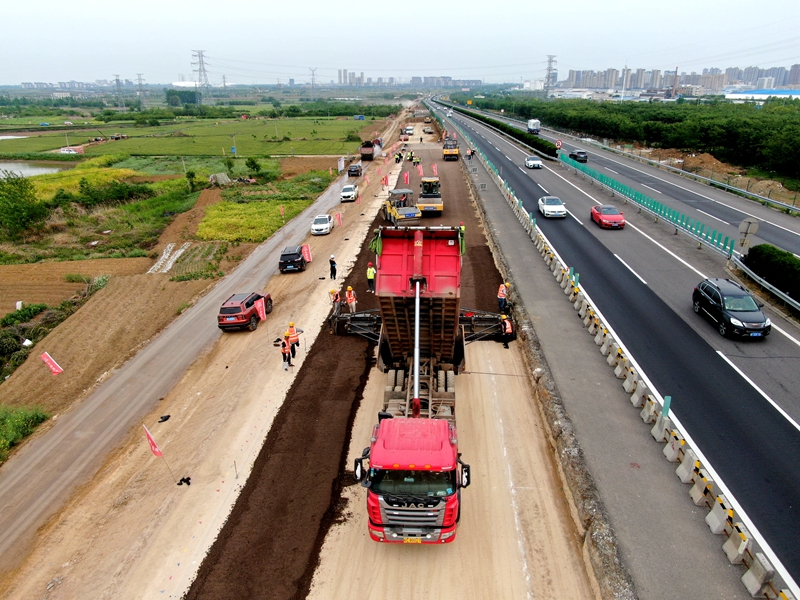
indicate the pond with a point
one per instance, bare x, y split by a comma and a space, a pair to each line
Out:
29, 168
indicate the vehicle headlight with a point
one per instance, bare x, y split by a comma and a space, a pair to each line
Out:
767, 323
736, 322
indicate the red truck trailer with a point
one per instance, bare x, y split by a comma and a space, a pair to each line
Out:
415, 475
367, 150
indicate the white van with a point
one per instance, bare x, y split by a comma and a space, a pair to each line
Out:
409, 130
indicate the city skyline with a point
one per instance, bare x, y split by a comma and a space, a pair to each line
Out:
258, 43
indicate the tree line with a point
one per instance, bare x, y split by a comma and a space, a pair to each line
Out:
765, 137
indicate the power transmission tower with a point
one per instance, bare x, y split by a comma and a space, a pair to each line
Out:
140, 81
313, 72
548, 79
120, 101
224, 83
202, 74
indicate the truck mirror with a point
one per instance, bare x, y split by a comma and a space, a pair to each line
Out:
365, 452
358, 469
465, 476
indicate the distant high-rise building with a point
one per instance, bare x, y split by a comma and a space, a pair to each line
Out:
655, 79
794, 75
778, 73
574, 78
639, 80
612, 76
625, 79
734, 74
750, 75
765, 83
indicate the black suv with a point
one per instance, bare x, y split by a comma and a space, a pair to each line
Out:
292, 259
354, 171
731, 307
239, 311
579, 155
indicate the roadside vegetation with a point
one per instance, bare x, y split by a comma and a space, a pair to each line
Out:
17, 424
764, 137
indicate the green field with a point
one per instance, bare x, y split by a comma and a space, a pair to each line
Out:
253, 137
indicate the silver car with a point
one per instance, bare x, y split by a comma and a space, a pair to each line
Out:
533, 162
322, 225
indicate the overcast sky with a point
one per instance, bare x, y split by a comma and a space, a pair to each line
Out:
266, 41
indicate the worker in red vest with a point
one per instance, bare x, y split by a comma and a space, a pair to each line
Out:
286, 352
502, 293
508, 330
294, 337
351, 298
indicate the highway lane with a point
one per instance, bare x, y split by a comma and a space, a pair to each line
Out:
747, 441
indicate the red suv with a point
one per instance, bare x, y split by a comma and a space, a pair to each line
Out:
239, 311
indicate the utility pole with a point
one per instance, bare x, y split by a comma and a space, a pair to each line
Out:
224, 83
551, 62
141, 89
313, 72
624, 73
120, 101
202, 74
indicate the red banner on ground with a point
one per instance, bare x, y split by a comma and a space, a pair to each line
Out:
435, 170
339, 219
380, 171
359, 199
419, 169
366, 178
307, 252
405, 178
54, 366
261, 309
152, 443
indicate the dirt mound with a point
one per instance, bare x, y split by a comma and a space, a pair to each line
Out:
98, 338
297, 165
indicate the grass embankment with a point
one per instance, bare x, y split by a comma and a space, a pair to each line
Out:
16, 424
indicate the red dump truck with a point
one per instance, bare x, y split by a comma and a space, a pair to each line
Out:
412, 469
367, 150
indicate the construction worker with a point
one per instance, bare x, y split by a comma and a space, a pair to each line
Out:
294, 336
351, 298
286, 352
336, 303
463, 228
370, 278
333, 267
502, 293
508, 330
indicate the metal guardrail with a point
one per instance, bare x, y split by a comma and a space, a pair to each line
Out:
765, 284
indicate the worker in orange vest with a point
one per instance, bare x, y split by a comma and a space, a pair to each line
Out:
502, 293
351, 298
508, 330
294, 337
286, 352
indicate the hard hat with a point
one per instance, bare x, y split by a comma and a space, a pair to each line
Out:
503, 316
369, 264
331, 255
286, 334
291, 323
333, 291
507, 284
462, 222
349, 288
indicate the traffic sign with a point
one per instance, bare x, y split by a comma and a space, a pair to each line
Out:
559, 143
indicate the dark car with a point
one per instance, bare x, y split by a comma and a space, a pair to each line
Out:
731, 307
239, 311
354, 171
292, 259
579, 155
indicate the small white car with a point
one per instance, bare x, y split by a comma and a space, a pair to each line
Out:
322, 225
533, 162
349, 193
552, 206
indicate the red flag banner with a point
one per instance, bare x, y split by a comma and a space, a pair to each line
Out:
380, 171
281, 209
330, 170
366, 178
306, 249
419, 169
359, 199
405, 178
153, 446
339, 218
54, 366
385, 160
454, 135
260, 309
435, 170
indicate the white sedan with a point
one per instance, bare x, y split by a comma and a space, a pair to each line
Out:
321, 225
552, 206
533, 162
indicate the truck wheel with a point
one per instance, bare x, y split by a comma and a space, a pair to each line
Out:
268, 307
253, 323
451, 381
441, 381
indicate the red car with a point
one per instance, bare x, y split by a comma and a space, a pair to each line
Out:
607, 215
239, 311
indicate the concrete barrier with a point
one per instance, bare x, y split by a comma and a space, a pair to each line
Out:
621, 370
600, 336
587, 320
737, 544
674, 446
758, 576
640, 392
702, 491
660, 430
648, 412
632, 380
689, 463
614, 354
594, 325
720, 517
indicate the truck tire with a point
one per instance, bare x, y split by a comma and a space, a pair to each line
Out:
441, 381
451, 381
268, 306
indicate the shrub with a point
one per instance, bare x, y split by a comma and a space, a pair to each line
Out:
23, 315
16, 424
778, 267
9, 344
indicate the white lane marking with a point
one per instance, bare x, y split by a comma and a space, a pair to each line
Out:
574, 217
665, 249
631, 270
701, 195
651, 188
506, 155
521, 169
712, 216
785, 333
612, 170
541, 186
760, 391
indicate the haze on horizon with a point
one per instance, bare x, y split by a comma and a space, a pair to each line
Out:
263, 42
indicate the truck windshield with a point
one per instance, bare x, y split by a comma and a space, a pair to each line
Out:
414, 483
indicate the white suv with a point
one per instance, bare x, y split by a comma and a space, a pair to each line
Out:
322, 225
349, 193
